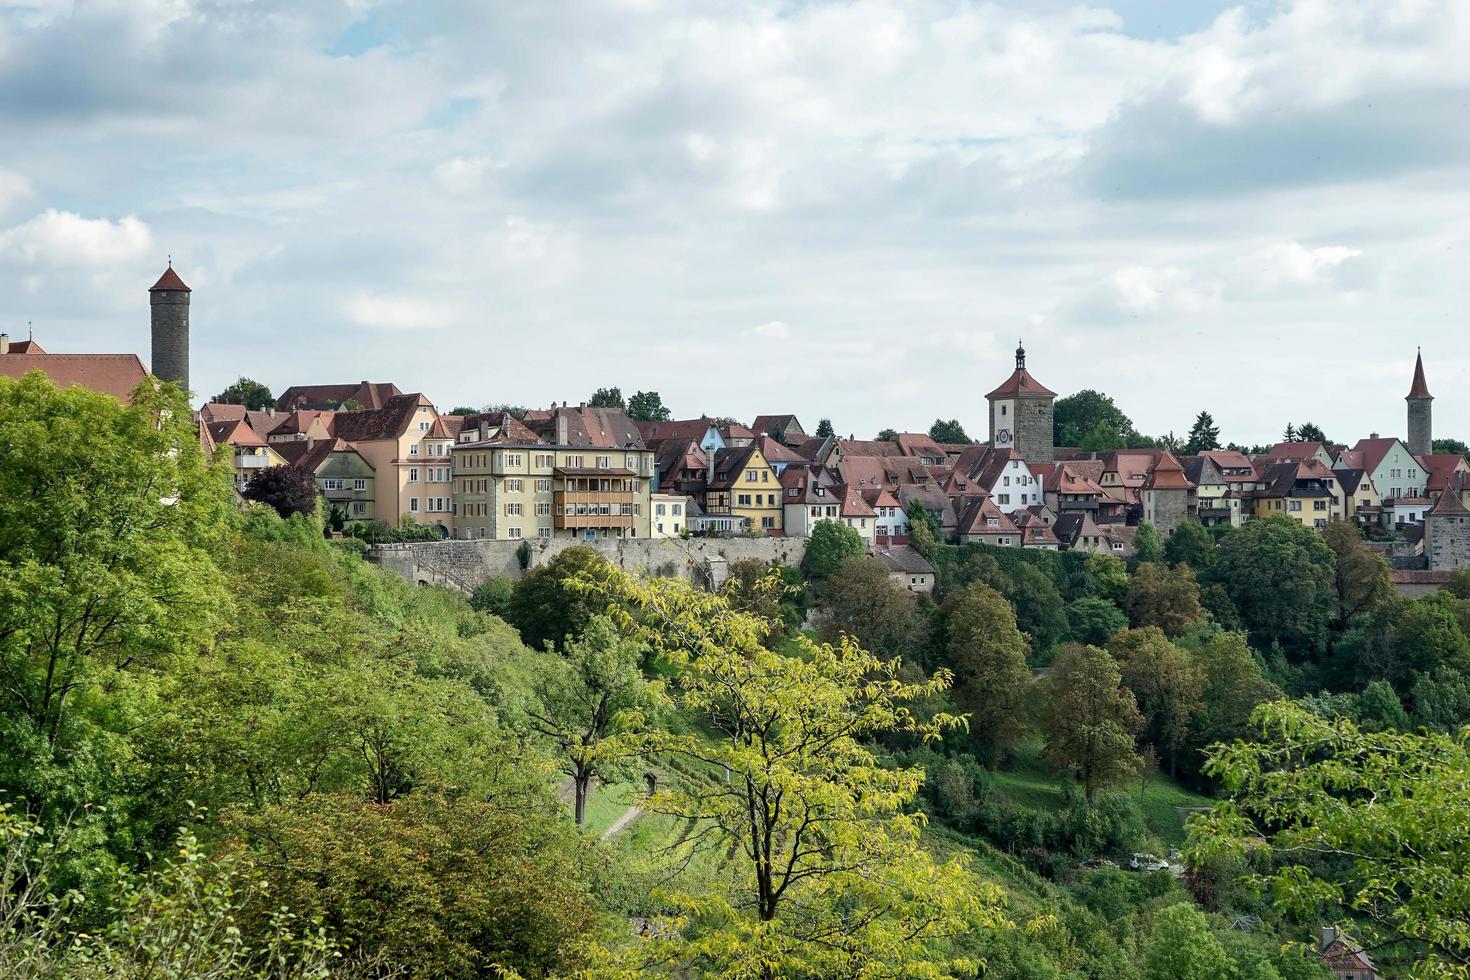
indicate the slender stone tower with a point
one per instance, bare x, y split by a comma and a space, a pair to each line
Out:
169, 299
1421, 427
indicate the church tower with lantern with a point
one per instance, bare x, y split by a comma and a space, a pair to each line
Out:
1021, 415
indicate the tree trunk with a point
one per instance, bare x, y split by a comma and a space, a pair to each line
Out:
581, 784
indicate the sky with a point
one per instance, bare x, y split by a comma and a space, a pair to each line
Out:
848, 210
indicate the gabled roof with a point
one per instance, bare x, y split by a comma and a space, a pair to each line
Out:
501, 427
904, 560
653, 432
1449, 504
730, 463
600, 428
388, 422
112, 374
919, 444
370, 395
169, 282
1419, 391
25, 347
978, 516
1226, 460
853, 504
1021, 385
1168, 474
765, 424
220, 411
309, 457
868, 447
234, 432
1351, 479
1371, 451
1073, 479
1283, 451
1440, 470
776, 451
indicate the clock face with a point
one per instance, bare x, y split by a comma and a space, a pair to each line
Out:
1002, 437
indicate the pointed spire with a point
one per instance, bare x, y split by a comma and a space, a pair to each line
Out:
1420, 390
1020, 356
170, 281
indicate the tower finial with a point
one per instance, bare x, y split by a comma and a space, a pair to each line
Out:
1020, 355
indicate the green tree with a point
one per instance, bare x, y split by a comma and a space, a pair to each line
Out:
1233, 687
1451, 447
285, 489
861, 600
1205, 434
1379, 709
1402, 638
1360, 577
1181, 947
987, 654
1442, 699
606, 398
1093, 620
824, 429
949, 432
1090, 719
1350, 825
1164, 597
827, 876
1039, 609
109, 514
594, 705
1290, 435
924, 528
831, 543
772, 591
647, 406
493, 596
1147, 547
1167, 683
1191, 544
1308, 432
546, 607
255, 396
887, 435
1279, 575
1111, 575
1090, 416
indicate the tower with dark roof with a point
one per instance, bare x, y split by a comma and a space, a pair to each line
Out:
1421, 426
169, 300
1021, 415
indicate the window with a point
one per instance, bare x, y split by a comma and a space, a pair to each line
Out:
1295, 505
413, 474
423, 426
545, 459
658, 509
574, 462
359, 484
413, 505
511, 459
359, 508
331, 484
513, 533
765, 476
750, 476
413, 450
631, 462
543, 532
1005, 481
677, 510
992, 522
543, 486
513, 486
1004, 498
743, 500
604, 462
768, 522
543, 509
513, 510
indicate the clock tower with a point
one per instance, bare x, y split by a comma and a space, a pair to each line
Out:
1020, 415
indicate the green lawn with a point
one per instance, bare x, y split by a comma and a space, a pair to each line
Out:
606, 803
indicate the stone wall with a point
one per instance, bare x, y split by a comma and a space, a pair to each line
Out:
465, 564
1421, 428
1166, 509
170, 322
1033, 429
1447, 542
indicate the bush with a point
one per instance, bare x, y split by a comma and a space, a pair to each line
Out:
493, 596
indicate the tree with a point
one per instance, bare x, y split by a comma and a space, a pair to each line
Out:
1307, 432
285, 489
1450, 447
1167, 684
1181, 947
647, 406
1360, 577
1090, 416
949, 432
987, 654
831, 543
1039, 608
1366, 826
493, 596
826, 874
463, 410
109, 515
1090, 719
1205, 434
1401, 639
1191, 544
887, 435
606, 398
861, 600
594, 704
824, 429
1164, 597
924, 529
1233, 687
545, 604
772, 591
1093, 620
1279, 575
1379, 709
255, 396
1290, 435
1146, 544
1111, 575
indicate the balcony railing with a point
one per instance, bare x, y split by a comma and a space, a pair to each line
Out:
252, 462
566, 504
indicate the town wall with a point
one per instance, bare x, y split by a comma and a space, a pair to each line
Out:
465, 564
1033, 429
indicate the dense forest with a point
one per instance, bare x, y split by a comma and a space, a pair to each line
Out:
234, 748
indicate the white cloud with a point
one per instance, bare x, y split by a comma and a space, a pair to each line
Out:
67, 239
1288, 264
772, 330
14, 188
462, 175
396, 312
1152, 291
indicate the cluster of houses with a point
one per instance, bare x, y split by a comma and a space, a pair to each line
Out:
377, 453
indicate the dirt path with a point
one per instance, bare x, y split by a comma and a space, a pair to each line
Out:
629, 815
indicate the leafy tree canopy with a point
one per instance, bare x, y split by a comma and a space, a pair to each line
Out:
1090, 719
1448, 446
887, 435
647, 406
824, 429
252, 394
606, 398
949, 432
285, 489
831, 543
1279, 576
1090, 420
1203, 435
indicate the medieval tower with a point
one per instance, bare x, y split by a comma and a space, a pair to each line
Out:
1421, 427
1021, 415
169, 299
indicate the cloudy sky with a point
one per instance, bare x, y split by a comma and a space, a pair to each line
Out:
845, 209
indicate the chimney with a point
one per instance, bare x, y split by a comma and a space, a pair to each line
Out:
561, 428
1329, 936
1372, 435
709, 466
484, 429
4, 343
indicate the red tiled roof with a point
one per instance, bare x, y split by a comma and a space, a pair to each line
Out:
112, 374
1419, 390
1372, 451
388, 422
25, 347
234, 432
1440, 470
1021, 384
675, 429
169, 282
1285, 451
370, 395
1449, 504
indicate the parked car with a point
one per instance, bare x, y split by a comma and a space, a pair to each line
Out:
1099, 863
1148, 862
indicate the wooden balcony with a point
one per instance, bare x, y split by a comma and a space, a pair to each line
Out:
593, 502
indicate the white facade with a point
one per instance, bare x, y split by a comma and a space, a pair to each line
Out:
1016, 487
670, 517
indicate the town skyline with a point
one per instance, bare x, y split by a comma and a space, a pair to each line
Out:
1198, 205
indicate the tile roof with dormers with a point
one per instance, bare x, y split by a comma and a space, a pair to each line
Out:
112, 374
695, 429
1168, 474
234, 432
1444, 470
983, 517
389, 422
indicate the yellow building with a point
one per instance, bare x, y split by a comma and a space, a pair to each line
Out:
508, 485
1305, 491
742, 483
249, 452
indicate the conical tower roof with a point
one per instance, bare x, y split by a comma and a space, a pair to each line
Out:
169, 282
1420, 390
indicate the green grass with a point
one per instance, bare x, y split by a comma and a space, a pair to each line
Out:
606, 803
